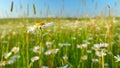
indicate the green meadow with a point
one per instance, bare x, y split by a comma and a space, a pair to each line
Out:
67, 43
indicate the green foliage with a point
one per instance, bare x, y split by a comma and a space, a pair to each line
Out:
69, 36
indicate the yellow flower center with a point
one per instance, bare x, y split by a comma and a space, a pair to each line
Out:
39, 24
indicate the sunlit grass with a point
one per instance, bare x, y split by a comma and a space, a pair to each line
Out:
67, 43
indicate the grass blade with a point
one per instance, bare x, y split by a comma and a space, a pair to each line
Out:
12, 3
34, 9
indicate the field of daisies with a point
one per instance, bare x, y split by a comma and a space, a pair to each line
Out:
60, 43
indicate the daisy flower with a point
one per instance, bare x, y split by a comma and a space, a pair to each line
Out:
15, 49
117, 58
35, 58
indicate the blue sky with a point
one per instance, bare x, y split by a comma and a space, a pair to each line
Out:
48, 8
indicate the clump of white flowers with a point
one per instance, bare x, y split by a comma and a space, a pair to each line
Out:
100, 46
100, 49
10, 57
51, 51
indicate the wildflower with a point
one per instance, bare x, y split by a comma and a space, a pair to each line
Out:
117, 58
115, 21
2, 63
95, 60
89, 51
86, 41
10, 61
99, 54
48, 52
49, 24
39, 24
52, 51
78, 46
45, 67
42, 25
84, 57
60, 44
48, 44
64, 44
15, 57
104, 45
7, 55
65, 57
35, 58
36, 49
31, 29
15, 49
100, 46
96, 47
66, 66
82, 46
106, 65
